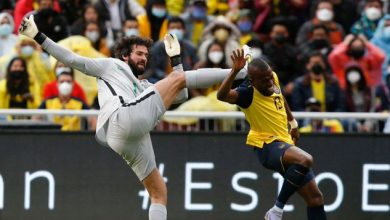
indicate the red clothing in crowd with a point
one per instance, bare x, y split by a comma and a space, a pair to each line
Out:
51, 90
371, 63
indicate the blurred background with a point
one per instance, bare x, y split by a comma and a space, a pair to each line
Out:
332, 58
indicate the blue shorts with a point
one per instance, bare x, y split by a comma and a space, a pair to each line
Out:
270, 156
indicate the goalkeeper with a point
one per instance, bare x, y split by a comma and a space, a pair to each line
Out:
130, 108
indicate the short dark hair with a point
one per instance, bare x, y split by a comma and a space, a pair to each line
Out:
176, 19
260, 64
314, 53
320, 26
125, 45
370, 1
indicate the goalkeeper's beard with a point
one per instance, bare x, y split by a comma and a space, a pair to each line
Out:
136, 70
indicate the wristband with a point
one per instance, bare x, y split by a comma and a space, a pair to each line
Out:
293, 124
40, 38
175, 60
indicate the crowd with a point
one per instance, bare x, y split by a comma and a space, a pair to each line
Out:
329, 55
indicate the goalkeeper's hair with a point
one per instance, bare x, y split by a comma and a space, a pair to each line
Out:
124, 46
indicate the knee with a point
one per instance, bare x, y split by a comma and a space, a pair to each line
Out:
306, 160
315, 199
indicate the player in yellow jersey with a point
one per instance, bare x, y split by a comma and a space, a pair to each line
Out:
261, 100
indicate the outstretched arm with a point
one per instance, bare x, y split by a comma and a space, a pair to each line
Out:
172, 47
86, 65
225, 93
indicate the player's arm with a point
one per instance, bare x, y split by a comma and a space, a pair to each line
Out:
225, 93
86, 65
172, 48
292, 122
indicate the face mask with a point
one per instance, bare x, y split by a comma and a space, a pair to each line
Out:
92, 35
324, 15
353, 76
256, 52
215, 56
16, 75
199, 13
280, 38
245, 26
221, 34
178, 32
65, 88
159, 12
356, 53
132, 32
317, 69
319, 43
27, 51
63, 69
386, 32
5, 30
373, 13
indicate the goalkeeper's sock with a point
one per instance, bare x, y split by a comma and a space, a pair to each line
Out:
206, 77
157, 212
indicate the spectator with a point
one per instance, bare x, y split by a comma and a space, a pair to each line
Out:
357, 93
7, 38
64, 100
89, 14
319, 125
94, 34
323, 15
24, 7
215, 59
154, 23
16, 90
283, 56
38, 63
159, 62
294, 11
319, 84
113, 13
345, 13
223, 31
369, 19
319, 41
50, 22
245, 25
357, 48
73, 9
196, 19
51, 88
131, 27
382, 94
381, 39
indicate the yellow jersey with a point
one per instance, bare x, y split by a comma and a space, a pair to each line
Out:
266, 115
69, 123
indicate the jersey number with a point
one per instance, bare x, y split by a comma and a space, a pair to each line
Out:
278, 103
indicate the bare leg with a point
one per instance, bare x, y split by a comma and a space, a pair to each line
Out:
157, 189
311, 194
314, 200
170, 87
295, 155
